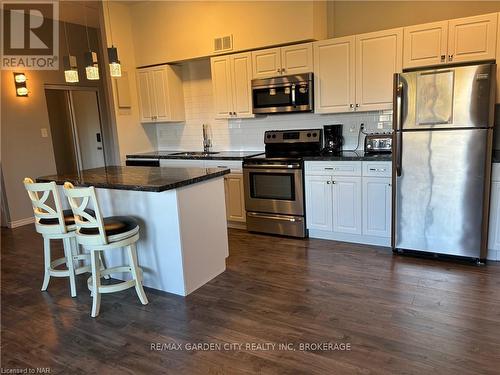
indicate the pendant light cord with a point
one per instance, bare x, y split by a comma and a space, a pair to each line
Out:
109, 20
66, 38
86, 26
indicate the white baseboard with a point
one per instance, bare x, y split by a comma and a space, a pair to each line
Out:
354, 238
236, 225
21, 222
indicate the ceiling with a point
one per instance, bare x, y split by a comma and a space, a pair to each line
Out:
80, 12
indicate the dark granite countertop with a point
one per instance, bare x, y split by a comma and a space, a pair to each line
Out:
220, 155
138, 178
351, 156
496, 156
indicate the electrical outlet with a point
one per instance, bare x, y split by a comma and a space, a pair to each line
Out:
44, 132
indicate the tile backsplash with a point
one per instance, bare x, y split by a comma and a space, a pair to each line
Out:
248, 134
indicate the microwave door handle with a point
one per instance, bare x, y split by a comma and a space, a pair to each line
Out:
293, 95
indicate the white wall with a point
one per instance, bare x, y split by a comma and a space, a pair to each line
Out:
246, 134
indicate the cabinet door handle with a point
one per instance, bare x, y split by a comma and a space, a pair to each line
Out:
351, 106
333, 182
443, 58
283, 70
450, 57
278, 70
357, 105
328, 182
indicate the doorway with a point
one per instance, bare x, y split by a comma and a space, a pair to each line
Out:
75, 127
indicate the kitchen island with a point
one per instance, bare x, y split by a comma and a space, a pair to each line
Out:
181, 212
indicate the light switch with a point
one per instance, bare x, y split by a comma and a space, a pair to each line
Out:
44, 132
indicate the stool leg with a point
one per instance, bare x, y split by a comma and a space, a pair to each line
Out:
68, 253
103, 264
136, 273
96, 283
46, 255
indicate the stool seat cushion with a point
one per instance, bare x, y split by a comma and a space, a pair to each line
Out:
114, 225
69, 219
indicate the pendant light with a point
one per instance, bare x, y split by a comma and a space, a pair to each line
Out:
91, 66
115, 68
69, 62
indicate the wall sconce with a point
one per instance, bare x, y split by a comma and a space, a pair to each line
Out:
20, 82
91, 69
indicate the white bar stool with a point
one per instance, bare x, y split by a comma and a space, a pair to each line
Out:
98, 234
54, 223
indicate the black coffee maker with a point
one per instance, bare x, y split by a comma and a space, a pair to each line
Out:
333, 139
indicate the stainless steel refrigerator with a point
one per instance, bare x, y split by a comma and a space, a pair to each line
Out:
443, 134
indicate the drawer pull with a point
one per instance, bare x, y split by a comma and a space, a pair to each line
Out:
378, 169
329, 168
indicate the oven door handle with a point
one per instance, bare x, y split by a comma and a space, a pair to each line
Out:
293, 95
274, 217
272, 166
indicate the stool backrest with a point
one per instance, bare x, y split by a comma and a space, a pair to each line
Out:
49, 218
89, 229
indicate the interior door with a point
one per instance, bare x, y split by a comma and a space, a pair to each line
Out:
88, 126
62, 131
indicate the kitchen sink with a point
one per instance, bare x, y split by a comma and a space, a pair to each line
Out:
193, 153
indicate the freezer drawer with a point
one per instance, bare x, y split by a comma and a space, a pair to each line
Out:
439, 193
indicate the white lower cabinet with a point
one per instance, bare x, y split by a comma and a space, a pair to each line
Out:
347, 205
233, 185
494, 233
319, 207
377, 197
349, 201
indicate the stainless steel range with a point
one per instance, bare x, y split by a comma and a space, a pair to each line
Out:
274, 182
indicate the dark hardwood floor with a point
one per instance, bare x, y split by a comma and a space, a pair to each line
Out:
400, 315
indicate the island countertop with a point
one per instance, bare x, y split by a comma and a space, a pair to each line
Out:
152, 179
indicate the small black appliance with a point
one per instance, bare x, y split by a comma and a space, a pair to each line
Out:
333, 139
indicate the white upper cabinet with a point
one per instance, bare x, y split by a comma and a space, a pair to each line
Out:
241, 70
498, 59
425, 44
334, 75
266, 63
297, 59
161, 97
221, 84
472, 38
459, 40
272, 62
231, 82
378, 56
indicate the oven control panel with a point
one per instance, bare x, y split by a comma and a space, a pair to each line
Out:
293, 136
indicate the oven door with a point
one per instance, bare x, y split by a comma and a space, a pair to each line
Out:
274, 189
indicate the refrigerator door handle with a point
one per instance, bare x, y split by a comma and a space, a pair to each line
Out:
398, 124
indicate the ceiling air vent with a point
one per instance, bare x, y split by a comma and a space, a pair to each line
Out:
224, 43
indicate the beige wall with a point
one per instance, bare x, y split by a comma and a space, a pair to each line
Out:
24, 151
133, 136
166, 31
356, 17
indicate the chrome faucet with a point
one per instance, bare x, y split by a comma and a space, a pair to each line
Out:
207, 143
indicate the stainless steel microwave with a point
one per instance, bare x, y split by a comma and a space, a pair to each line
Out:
283, 94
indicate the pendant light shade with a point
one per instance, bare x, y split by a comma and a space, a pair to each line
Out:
70, 69
91, 67
114, 64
